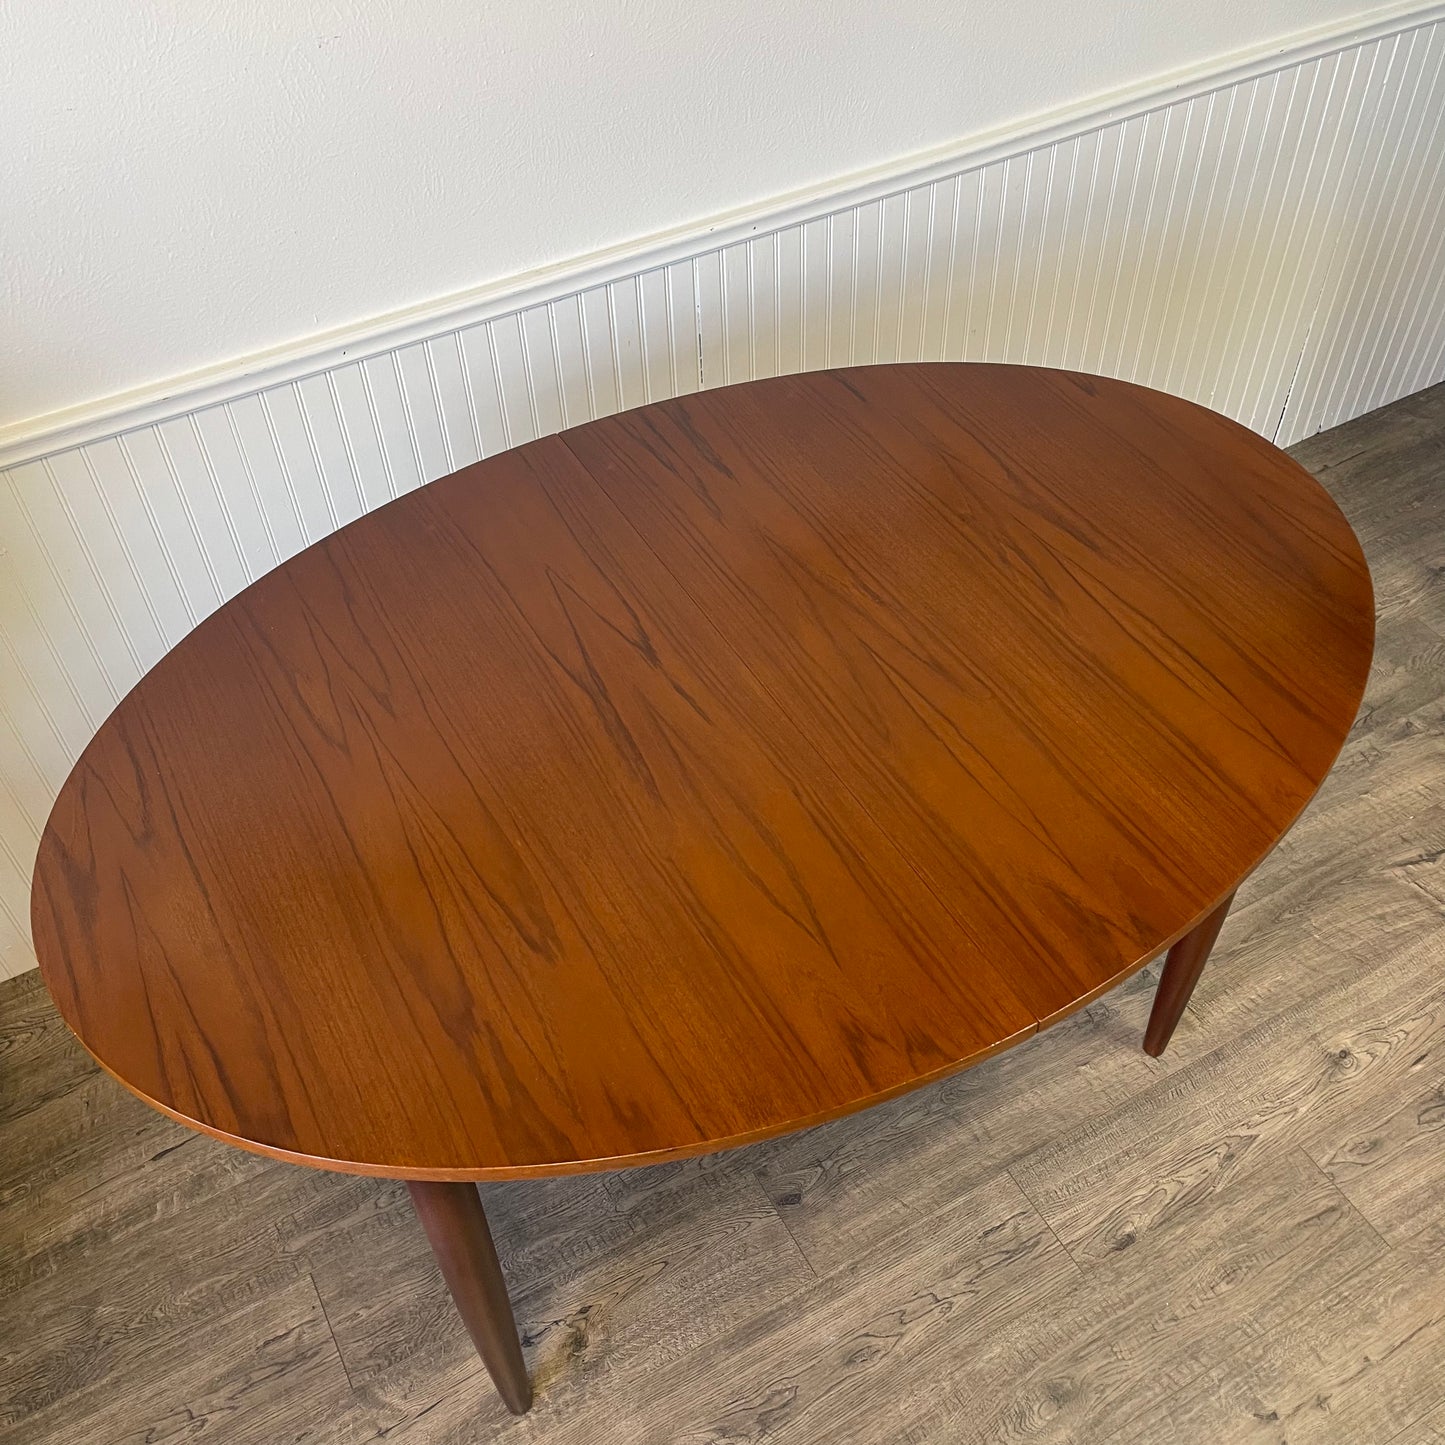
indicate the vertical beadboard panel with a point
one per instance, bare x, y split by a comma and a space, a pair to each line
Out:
1378, 331
1274, 248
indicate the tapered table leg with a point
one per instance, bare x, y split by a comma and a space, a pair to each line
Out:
455, 1224
1182, 968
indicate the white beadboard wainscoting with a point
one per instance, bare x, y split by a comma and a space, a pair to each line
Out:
1267, 239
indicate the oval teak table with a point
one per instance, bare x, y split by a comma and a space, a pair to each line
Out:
699, 774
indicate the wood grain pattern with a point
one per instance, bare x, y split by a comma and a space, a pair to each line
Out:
811, 1363
1390, 1161
1369, 1382
1115, 1180
1424, 1432
709, 770
1086, 1361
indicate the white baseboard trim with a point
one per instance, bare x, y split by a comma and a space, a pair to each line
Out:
319, 352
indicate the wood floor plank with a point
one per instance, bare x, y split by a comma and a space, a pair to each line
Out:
796, 1370
1405, 675
1367, 439
805, 1368
1128, 1334
1362, 1364
173, 1276
72, 1141
96, 1187
264, 1373
1387, 1155
1104, 1185
1386, 470
1429, 1431
1423, 868
1406, 552
673, 1291
626, 1290
40, 1059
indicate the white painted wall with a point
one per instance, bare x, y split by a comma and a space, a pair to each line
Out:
183, 185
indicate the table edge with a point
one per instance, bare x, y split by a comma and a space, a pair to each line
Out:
613, 1163
550, 1169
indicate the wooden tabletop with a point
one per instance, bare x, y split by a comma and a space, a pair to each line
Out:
703, 772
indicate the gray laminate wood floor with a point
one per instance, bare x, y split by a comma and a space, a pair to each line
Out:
1242, 1241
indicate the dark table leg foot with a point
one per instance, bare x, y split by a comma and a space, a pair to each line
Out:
454, 1222
1182, 968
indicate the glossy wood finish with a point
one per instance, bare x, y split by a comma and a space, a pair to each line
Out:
703, 772
456, 1228
1182, 969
